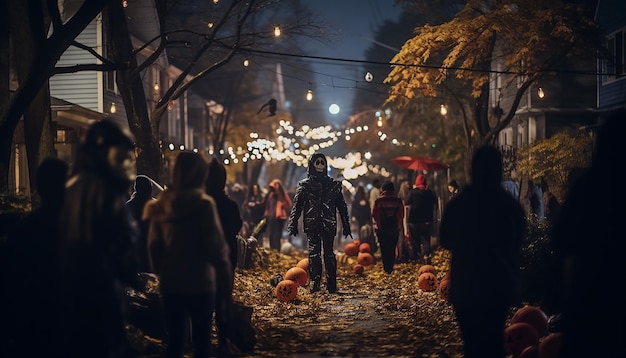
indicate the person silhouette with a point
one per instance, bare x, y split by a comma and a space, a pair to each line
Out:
97, 244
483, 228
32, 264
587, 236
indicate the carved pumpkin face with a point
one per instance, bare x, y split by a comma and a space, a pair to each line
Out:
426, 268
286, 290
427, 282
518, 336
297, 275
365, 258
444, 290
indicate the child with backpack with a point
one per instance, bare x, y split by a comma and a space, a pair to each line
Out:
388, 215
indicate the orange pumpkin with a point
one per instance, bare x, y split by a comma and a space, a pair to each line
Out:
427, 282
358, 269
365, 258
534, 316
365, 247
303, 264
297, 275
357, 242
550, 346
426, 268
286, 290
518, 336
351, 249
444, 290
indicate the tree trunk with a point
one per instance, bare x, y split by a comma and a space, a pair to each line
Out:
149, 158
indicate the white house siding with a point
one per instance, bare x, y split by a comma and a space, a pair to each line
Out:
81, 88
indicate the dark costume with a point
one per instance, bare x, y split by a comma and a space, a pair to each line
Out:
388, 213
97, 245
141, 195
422, 202
483, 227
318, 198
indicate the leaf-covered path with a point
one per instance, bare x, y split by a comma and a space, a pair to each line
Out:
372, 315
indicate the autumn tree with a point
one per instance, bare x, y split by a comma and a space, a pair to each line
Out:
555, 158
518, 40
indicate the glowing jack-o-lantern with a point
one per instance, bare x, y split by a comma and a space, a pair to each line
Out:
286, 290
297, 275
518, 336
427, 282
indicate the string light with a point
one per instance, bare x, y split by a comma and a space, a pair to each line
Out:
540, 92
443, 110
369, 77
309, 94
113, 109
156, 86
210, 25
277, 31
246, 63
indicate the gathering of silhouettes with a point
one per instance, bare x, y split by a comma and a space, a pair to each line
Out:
69, 261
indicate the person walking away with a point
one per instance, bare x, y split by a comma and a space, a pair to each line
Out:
361, 210
318, 198
142, 193
230, 219
97, 245
535, 201
483, 228
422, 203
388, 214
253, 208
189, 253
589, 233
32, 270
277, 207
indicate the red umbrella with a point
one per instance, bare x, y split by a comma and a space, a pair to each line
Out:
419, 163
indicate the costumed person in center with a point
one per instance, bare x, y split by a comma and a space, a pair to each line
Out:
318, 199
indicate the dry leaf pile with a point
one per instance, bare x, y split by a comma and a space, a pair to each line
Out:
372, 315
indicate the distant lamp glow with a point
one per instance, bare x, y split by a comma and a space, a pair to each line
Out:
333, 109
540, 92
309, 95
369, 77
156, 86
210, 25
216, 1
113, 109
443, 110
246, 63
277, 31
124, 3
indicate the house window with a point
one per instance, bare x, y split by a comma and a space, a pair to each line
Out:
615, 57
109, 76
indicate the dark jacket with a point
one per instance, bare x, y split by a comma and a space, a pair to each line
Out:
318, 198
422, 205
388, 204
186, 243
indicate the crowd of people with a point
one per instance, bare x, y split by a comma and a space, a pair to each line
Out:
70, 260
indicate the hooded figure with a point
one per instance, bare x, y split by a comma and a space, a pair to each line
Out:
318, 198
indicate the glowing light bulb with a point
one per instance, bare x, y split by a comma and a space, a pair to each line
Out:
369, 76
277, 31
309, 95
443, 110
210, 25
540, 92
246, 63
113, 109
156, 86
